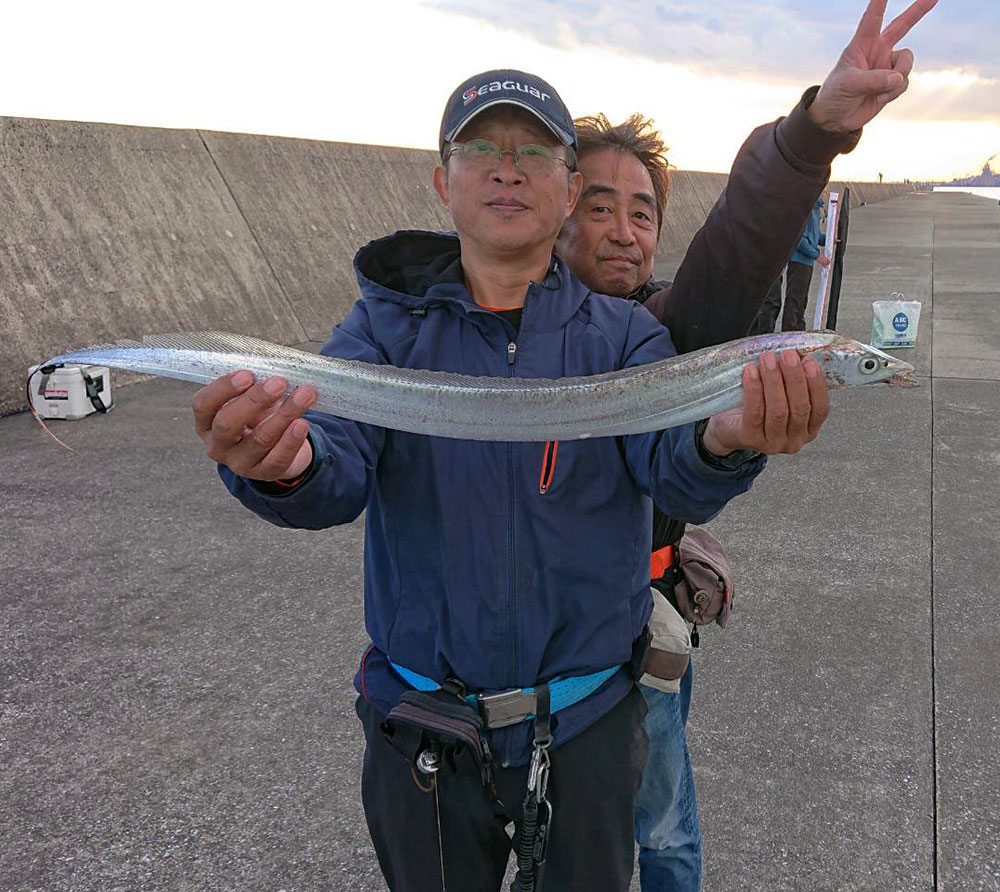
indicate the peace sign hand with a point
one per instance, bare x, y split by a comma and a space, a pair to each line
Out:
871, 73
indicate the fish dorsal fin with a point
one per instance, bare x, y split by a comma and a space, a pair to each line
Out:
219, 342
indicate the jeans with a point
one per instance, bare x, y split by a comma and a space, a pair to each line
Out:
666, 812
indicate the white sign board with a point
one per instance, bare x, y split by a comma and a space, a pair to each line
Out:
826, 272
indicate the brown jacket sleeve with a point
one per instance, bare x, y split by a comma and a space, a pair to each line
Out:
751, 231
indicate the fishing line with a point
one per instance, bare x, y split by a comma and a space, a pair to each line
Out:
46, 370
437, 815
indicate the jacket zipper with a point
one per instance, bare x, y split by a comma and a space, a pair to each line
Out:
548, 466
511, 587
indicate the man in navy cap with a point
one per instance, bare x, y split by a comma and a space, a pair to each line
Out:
506, 584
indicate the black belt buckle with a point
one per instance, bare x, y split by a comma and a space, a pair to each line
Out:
506, 707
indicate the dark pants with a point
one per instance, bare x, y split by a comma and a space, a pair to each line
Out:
769, 311
799, 276
592, 788
793, 318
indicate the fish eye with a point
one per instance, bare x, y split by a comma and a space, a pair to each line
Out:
868, 365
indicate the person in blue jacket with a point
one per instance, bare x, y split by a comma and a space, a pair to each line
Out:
798, 278
508, 581
800, 270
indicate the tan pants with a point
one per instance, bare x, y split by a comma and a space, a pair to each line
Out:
670, 649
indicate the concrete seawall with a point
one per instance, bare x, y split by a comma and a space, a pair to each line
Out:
109, 231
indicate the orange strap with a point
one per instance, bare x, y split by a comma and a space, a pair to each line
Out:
660, 561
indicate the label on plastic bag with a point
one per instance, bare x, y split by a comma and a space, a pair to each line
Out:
895, 323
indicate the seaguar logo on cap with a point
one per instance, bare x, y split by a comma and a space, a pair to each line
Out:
497, 86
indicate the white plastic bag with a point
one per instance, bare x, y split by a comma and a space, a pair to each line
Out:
895, 323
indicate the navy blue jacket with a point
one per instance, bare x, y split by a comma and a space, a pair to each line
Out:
471, 571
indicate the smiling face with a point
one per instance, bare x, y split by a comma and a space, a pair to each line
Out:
610, 240
500, 209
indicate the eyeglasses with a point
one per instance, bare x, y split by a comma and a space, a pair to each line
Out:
485, 155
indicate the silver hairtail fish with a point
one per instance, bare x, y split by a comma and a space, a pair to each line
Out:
629, 401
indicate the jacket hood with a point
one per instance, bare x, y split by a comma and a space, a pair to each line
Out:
419, 269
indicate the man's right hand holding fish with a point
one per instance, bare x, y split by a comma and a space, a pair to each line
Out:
251, 429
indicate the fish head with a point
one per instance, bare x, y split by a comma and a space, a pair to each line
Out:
875, 367
848, 363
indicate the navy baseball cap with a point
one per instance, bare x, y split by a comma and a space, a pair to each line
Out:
512, 87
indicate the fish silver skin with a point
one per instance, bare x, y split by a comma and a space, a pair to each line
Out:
656, 396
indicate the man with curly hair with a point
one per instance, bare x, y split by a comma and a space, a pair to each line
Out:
610, 243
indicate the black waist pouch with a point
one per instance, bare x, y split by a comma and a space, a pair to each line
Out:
440, 722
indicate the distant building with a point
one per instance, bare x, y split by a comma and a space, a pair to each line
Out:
988, 177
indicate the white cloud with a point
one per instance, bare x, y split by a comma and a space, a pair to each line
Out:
380, 73
952, 94
729, 37
955, 79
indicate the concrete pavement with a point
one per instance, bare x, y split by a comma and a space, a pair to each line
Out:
176, 709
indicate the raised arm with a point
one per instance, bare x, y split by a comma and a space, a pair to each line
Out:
750, 232
778, 174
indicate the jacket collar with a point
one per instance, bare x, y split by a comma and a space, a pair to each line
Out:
646, 290
418, 269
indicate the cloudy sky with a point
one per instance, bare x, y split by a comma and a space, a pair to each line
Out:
379, 71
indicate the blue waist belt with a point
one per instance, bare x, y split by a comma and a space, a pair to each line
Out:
504, 708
